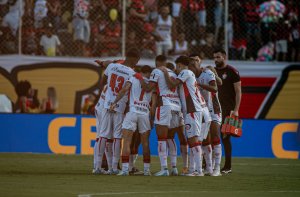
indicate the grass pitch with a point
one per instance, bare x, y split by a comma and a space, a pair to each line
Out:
70, 175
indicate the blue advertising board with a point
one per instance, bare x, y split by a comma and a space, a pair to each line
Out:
75, 134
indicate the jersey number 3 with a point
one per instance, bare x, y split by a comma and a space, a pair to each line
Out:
116, 83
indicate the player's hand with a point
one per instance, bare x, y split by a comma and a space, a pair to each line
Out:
235, 113
138, 76
212, 69
112, 107
163, 69
100, 63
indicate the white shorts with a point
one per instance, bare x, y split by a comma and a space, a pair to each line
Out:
216, 118
176, 120
206, 121
99, 114
193, 124
111, 124
165, 116
135, 121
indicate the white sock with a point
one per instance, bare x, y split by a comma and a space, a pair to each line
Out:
132, 160
116, 153
101, 148
172, 152
184, 154
146, 167
192, 162
109, 154
162, 153
217, 152
197, 152
207, 153
96, 150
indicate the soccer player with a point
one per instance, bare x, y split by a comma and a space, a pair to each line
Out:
115, 76
192, 107
168, 110
209, 90
138, 118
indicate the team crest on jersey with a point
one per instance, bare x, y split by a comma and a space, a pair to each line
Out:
224, 76
187, 127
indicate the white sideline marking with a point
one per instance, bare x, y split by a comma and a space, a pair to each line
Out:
167, 192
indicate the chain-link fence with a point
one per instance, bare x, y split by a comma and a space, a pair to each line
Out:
248, 29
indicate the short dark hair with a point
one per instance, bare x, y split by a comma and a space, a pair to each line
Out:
170, 66
185, 60
146, 69
220, 50
160, 58
194, 55
133, 53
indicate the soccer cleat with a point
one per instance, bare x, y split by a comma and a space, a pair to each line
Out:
123, 173
99, 171
162, 173
93, 171
147, 173
136, 171
195, 174
216, 172
184, 171
174, 172
113, 172
207, 172
226, 170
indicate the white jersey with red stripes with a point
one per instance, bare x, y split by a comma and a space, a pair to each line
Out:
212, 99
189, 92
117, 75
166, 97
100, 103
139, 99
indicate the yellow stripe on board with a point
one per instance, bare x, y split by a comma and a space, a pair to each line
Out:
287, 103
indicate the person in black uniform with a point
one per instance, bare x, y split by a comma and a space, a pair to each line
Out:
230, 95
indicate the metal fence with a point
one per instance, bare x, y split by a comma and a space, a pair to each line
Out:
262, 30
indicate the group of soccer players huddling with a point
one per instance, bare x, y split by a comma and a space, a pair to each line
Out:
180, 99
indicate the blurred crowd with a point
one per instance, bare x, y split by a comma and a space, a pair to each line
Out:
261, 30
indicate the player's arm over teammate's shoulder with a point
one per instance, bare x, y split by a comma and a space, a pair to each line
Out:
171, 83
148, 86
218, 79
212, 85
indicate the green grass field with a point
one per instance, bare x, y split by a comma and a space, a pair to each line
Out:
70, 175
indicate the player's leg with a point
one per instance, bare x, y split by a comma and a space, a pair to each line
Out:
183, 148
96, 153
172, 151
207, 154
109, 153
226, 140
193, 131
117, 144
134, 146
127, 138
162, 121
105, 132
146, 152
217, 148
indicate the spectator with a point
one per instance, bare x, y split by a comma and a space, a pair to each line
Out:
295, 40
252, 21
29, 37
49, 42
180, 46
148, 42
137, 16
198, 41
27, 100
151, 7
190, 9
165, 29
89, 104
50, 104
54, 13
281, 42
107, 5
112, 33
131, 40
207, 50
218, 14
40, 13
13, 17
81, 25
202, 14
